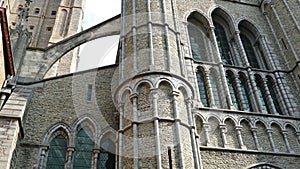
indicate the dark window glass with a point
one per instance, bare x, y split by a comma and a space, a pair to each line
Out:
107, 158
274, 96
83, 149
57, 153
215, 90
197, 42
202, 88
249, 51
245, 94
223, 44
233, 92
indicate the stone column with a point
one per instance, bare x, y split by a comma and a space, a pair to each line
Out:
175, 95
121, 136
156, 127
239, 136
96, 153
240, 95
241, 48
287, 144
223, 135
269, 98
134, 99
195, 147
254, 132
70, 152
254, 91
42, 160
270, 136
222, 72
206, 129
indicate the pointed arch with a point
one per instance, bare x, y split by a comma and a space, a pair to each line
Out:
263, 165
200, 43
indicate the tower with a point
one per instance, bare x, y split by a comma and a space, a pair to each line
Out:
48, 23
197, 84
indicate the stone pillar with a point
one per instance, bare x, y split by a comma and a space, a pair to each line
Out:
209, 88
156, 127
228, 101
287, 144
43, 156
223, 135
269, 98
96, 153
239, 136
240, 95
133, 99
270, 136
206, 129
254, 132
241, 48
121, 136
254, 91
70, 152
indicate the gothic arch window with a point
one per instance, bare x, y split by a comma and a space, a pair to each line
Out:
198, 36
245, 93
202, 87
262, 93
215, 89
274, 95
223, 44
233, 90
83, 149
57, 153
252, 46
107, 157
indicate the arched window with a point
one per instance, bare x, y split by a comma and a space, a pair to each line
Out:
264, 166
223, 44
249, 51
83, 149
107, 157
245, 93
262, 94
202, 88
199, 40
233, 90
271, 87
57, 153
215, 89
251, 41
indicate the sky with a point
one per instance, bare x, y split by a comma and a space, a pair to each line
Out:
99, 52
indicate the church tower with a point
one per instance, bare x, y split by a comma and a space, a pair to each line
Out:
152, 93
50, 21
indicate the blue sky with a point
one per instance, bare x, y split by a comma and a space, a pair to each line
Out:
99, 52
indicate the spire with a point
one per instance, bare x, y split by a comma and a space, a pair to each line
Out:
23, 15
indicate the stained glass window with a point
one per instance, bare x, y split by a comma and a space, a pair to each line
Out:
274, 96
223, 44
249, 51
233, 92
197, 42
245, 94
107, 158
262, 95
83, 149
57, 153
215, 90
202, 88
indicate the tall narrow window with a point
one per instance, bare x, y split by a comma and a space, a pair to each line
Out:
215, 89
89, 92
223, 44
245, 93
57, 153
202, 88
271, 87
262, 94
233, 91
197, 43
249, 51
83, 149
107, 158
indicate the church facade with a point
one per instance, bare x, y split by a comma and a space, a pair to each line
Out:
205, 84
